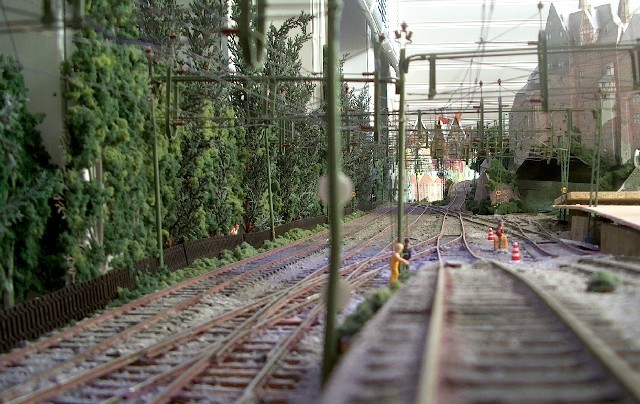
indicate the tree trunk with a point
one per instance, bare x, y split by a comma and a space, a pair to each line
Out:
104, 267
6, 277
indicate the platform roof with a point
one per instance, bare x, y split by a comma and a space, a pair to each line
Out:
604, 198
628, 215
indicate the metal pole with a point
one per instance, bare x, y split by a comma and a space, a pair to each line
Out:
401, 141
595, 174
483, 137
271, 215
167, 110
415, 169
156, 175
175, 101
334, 9
376, 106
268, 114
595, 165
346, 119
500, 126
376, 126
566, 159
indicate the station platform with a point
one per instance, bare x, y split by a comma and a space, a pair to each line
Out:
614, 224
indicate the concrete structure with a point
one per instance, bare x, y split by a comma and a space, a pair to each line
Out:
583, 81
614, 224
40, 49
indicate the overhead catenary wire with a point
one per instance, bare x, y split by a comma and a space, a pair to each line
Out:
298, 109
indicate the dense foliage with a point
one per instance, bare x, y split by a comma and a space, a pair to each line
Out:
359, 162
106, 202
603, 282
611, 177
216, 137
294, 148
27, 183
499, 176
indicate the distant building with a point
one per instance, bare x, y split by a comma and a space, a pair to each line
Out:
583, 80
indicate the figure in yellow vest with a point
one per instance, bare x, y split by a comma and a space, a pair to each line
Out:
500, 241
394, 262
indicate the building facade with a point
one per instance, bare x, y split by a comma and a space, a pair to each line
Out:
587, 72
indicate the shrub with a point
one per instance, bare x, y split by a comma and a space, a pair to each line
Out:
507, 207
603, 282
365, 311
483, 207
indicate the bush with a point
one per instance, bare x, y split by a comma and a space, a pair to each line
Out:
441, 202
483, 207
507, 207
365, 311
603, 282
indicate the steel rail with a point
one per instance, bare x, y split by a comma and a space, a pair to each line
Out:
279, 353
428, 390
8, 359
548, 235
315, 280
193, 366
12, 357
189, 369
108, 366
50, 391
618, 367
11, 392
216, 354
356, 280
627, 267
141, 326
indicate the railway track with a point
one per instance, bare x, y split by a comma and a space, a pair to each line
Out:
504, 343
152, 318
260, 340
471, 328
230, 350
492, 337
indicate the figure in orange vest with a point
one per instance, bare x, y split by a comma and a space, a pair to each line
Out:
500, 241
394, 262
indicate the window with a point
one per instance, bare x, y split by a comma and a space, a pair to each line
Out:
636, 98
636, 118
585, 30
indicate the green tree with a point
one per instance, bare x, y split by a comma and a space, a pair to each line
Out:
359, 163
202, 161
295, 166
27, 183
499, 176
106, 196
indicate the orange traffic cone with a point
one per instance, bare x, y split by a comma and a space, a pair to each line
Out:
492, 235
515, 253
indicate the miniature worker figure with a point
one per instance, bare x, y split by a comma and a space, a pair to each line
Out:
394, 262
500, 241
406, 254
234, 230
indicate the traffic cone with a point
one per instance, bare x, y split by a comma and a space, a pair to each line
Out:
515, 253
492, 235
